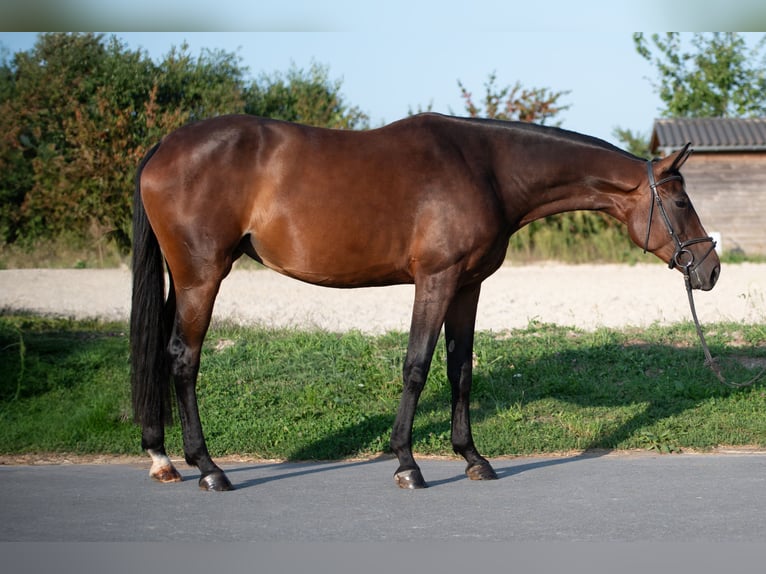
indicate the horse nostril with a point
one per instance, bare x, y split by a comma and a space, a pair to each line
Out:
714, 275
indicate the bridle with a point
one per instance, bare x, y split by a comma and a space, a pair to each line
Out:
684, 260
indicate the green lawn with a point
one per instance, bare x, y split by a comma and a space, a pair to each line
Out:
314, 395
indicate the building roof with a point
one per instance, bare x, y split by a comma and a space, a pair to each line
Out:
709, 134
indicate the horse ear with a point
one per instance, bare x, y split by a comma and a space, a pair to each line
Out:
679, 158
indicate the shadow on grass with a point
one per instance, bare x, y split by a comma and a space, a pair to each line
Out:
40, 354
621, 387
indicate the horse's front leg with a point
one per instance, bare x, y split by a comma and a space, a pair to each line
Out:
432, 296
459, 334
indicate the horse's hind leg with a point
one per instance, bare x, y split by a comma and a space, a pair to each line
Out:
153, 427
194, 308
162, 468
459, 334
153, 441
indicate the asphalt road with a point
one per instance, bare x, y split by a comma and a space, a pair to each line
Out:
611, 498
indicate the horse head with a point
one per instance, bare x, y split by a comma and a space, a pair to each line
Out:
665, 223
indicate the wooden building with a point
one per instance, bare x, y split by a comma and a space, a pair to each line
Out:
725, 177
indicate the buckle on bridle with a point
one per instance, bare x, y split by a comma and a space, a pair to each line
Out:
676, 260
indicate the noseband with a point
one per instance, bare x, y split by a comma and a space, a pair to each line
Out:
683, 258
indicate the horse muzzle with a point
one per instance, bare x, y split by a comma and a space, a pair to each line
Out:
705, 280
702, 274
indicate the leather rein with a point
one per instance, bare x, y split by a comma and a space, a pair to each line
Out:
684, 260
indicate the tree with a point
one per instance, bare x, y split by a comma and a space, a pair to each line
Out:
49, 82
308, 97
78, 111
209, 85
634, 142
13, 177
514, 102
721, 77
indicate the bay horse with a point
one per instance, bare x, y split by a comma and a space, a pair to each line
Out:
430, 200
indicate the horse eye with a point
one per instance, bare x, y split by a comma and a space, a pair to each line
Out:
681, 204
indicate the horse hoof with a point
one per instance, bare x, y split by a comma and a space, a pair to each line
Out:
481, 471
410, 479
166, 474
216, 481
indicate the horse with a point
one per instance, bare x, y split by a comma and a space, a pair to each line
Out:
430, 200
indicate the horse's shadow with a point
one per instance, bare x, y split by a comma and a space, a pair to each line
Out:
287, 470
662, 380
290, 470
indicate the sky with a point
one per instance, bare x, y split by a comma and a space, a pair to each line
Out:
608, 82
394, 57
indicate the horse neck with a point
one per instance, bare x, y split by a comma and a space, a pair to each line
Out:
568, 175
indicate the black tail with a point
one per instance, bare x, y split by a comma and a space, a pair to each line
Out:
149, 332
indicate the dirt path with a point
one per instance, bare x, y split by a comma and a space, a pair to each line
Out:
584, 296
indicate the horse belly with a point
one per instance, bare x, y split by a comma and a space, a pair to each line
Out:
332, 253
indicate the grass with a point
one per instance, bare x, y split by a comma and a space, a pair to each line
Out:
63, 253
314, 395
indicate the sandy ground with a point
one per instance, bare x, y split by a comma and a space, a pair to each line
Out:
582, 296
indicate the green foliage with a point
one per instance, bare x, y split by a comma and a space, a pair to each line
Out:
720, 77
306, 97
315, 395
573, 237
78, 111
661, 441
639, 144
210, 85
